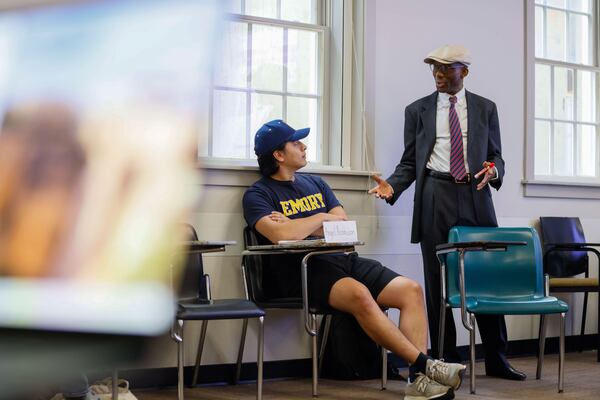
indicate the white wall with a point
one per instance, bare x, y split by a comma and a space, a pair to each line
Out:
398, 36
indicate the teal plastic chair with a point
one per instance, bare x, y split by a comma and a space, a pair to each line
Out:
489, 270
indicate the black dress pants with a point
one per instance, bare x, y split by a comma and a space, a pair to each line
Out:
446, 204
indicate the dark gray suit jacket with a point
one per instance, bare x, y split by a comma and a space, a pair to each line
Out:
483, 144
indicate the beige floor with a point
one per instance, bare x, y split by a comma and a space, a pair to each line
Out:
582, 381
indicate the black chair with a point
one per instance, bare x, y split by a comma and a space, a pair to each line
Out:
565, 256
252, 271
195, 303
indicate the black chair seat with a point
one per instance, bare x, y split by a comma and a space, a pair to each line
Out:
200, 309
280, 302
294, 303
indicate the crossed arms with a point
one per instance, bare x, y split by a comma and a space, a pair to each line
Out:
277, 226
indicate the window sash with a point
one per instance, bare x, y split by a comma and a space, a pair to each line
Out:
321, 95
592, 32
574, 123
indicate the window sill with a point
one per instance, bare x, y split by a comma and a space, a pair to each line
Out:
563, 190
245, 173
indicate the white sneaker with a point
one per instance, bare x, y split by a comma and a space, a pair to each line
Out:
449, 374
102, 390
423, 388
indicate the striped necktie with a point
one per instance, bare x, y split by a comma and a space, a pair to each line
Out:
457, 158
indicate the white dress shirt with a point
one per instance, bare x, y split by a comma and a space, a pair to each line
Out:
440, 156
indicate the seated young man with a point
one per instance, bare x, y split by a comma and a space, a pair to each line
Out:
284, 205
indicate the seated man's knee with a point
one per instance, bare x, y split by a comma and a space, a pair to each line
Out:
360, 298
415, 288
409, 290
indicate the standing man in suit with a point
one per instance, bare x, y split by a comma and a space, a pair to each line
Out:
448, 137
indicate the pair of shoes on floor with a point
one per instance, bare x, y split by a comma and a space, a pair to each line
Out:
439, 382
102, 390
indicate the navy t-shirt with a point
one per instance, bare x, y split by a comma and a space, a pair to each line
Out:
305, 196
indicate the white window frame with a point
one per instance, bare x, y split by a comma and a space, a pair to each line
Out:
342, 136
321, 92
553, 186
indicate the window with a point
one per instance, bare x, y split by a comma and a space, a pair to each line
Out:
566, 125
271, 64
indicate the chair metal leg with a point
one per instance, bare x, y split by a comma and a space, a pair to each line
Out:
199, 352
238, 367
180, 361
584, 314
442, 330
542, 346
384, 361
472, 351
384, 358
259, 357
561, 354
327, 327
115, 385
315, 371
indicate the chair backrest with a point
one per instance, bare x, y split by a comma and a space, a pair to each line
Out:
254, 275
253, 268
193, 283
564, 230
516, 272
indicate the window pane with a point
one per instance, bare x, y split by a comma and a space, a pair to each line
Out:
229, 124
302, 113
542, 91
556, 39
302, 61
563, 149
299, 10
563, 93
587, 159
579, 5
586, 96
542, 148
264, 108
267, 57
262, 8
556, 3
539, 1
539, 32
579, 39
231, 68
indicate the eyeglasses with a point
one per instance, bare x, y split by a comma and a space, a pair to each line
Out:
444, 68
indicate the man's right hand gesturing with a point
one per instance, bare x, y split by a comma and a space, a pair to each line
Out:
383, 190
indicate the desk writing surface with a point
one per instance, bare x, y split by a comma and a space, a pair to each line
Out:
206, 246
303, 245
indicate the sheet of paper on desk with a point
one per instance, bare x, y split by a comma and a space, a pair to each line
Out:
340, 231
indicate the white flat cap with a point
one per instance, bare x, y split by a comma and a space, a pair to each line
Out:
449, 54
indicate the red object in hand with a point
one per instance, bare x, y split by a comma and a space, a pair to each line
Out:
489, 166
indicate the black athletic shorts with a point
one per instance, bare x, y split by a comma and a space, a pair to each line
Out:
281, 276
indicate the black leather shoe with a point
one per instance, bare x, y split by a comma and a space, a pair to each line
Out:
505, 371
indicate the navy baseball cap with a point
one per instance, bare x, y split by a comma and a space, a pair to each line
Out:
273, 134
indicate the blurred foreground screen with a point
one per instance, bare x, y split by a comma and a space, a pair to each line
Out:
98, 114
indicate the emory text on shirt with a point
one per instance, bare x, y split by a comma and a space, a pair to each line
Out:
307, 203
